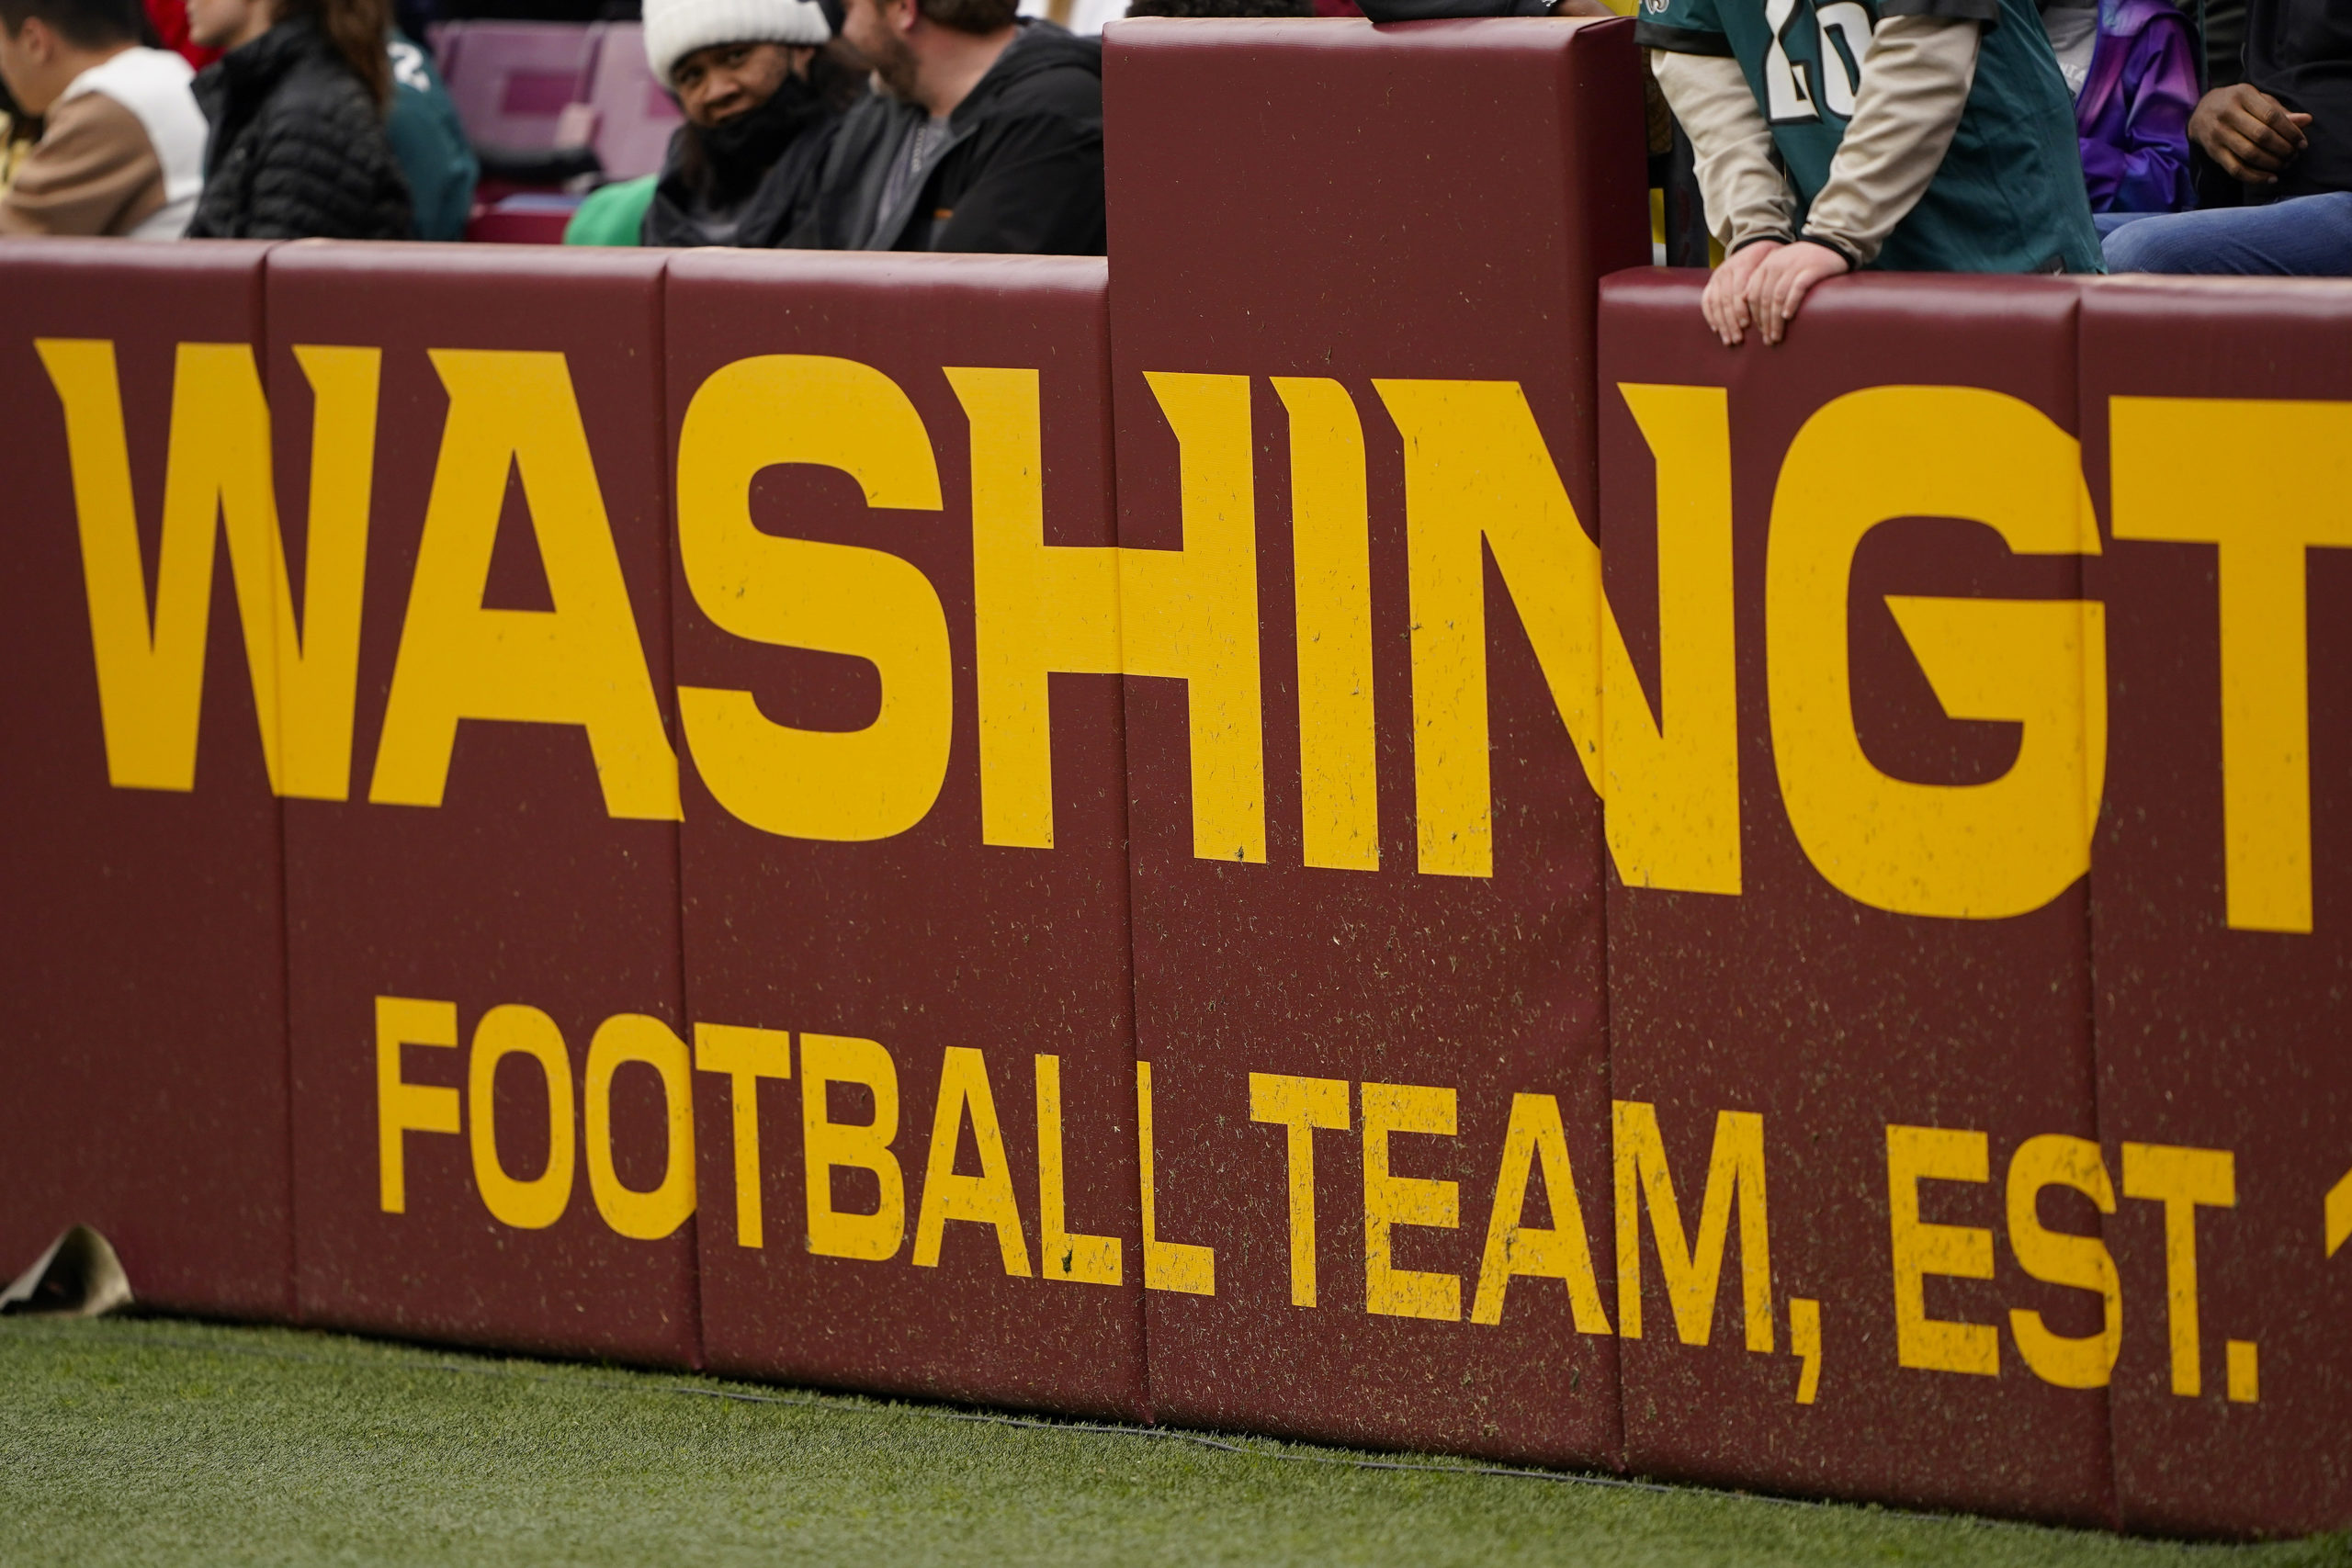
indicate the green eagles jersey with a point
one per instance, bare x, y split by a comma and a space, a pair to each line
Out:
2008, 196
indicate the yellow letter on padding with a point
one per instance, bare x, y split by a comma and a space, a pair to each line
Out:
1961, 1252
2178, 477
814, 784
1338, 785
1969, 851
1735, 1170
827, 1144
1036, 608
2183, 1180
1064, 1254
1513, 1248
1167, 1265
947, 1194
151, 668
1477, 473
402, 1106
1301, 1105
1190, 613
746, 1055
578, 663
1193, 614
1672, 782
535, 1202
652, 1214
1390, 1200
2059, 1258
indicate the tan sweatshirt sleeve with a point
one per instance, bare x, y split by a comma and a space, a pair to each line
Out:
1915, 83
93, 171
1747, 195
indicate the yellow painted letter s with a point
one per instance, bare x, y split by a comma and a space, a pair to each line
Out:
811, 784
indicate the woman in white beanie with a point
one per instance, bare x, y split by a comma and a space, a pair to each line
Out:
763, 93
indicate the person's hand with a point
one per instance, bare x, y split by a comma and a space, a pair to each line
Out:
1776, 288
1724, 304
2251, 134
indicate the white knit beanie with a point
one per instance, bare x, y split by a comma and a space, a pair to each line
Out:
675, 29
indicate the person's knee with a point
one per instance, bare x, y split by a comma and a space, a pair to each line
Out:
2153, 244
2123, 249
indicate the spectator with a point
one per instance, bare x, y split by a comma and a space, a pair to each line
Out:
982, 134
122, 146
430, 146
297, 105
2131, 65
1940, 140
2283, 136
763, 96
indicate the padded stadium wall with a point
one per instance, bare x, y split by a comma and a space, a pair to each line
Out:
1340, 825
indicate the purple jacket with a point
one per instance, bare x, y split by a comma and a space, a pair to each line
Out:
2133, 113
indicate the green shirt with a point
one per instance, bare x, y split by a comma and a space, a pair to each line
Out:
613, 214
2009, 194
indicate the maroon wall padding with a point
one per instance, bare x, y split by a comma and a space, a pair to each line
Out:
931, 940
142, 998
519, 888
2210, 1037
1828, 1017
1323, 223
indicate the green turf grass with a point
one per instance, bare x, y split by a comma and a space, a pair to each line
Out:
145, 1441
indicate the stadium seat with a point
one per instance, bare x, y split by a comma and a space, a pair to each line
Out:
511, 81
634, 116
523, 218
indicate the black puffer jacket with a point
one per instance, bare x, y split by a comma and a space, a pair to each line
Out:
297, 148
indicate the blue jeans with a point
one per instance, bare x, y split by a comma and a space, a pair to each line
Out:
2308, 236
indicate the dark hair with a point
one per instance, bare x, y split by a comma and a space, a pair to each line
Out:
84, 24
980, 16
358, 28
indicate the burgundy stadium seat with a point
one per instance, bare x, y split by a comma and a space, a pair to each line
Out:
634, 115
511, 81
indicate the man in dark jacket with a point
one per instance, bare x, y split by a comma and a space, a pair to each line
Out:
762, 96
984, 133
2283, 136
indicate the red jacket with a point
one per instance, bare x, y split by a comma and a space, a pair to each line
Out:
169, 18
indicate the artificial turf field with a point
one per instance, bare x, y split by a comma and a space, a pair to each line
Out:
156, 1442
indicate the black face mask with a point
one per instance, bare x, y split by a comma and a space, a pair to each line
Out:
740, 150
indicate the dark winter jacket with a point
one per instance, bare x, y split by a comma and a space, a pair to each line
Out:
298, 150
2299, 51
1020, 170
746, 180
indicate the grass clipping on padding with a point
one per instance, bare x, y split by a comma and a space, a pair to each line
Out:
162, 1442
